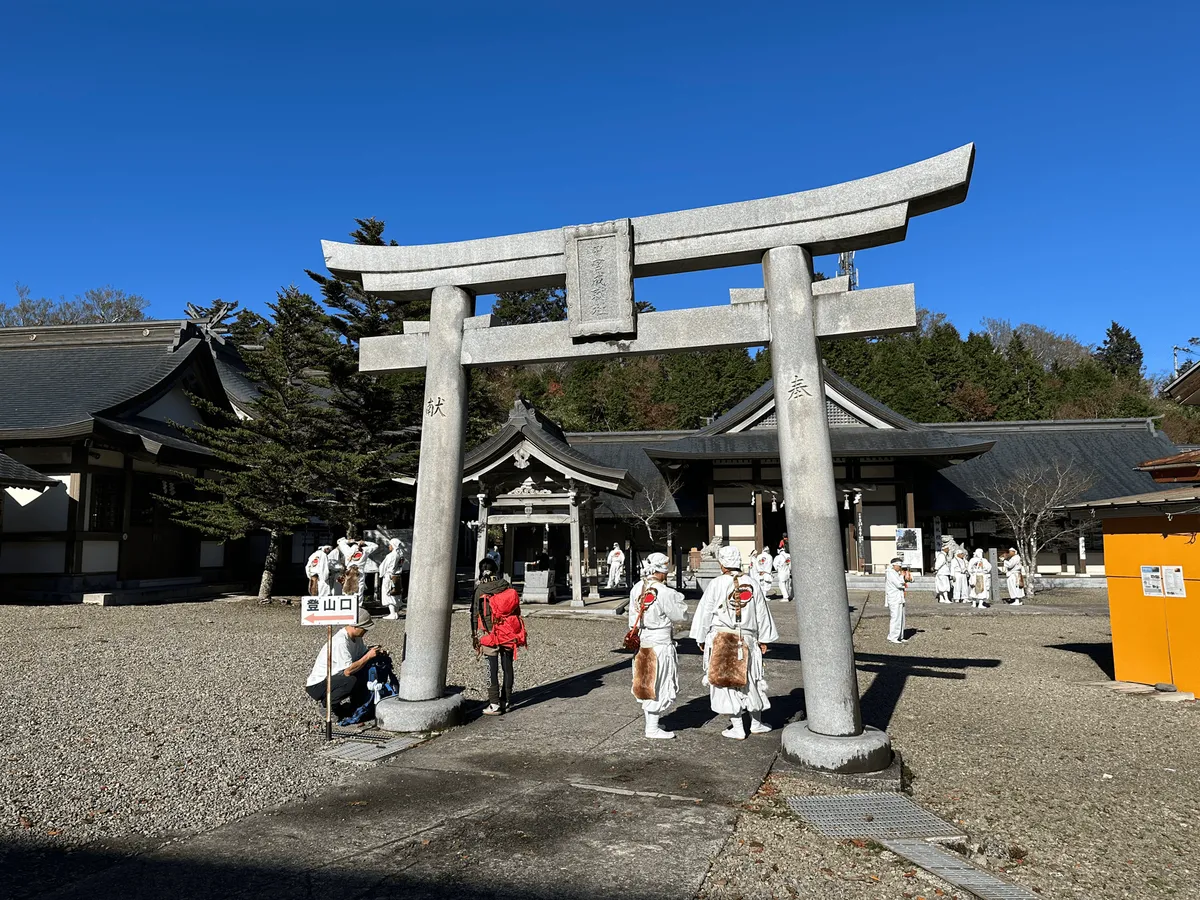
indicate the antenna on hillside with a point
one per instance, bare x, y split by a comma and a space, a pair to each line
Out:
1190, 350
846, 267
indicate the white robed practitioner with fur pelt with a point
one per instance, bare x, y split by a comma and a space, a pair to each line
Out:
732, 623
979, 571
388, 569
783, 570
656, 666
317, 568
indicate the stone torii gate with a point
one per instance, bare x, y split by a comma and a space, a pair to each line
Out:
598, 264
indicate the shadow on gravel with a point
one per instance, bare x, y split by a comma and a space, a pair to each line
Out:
1100, 654
880, 700
25, 876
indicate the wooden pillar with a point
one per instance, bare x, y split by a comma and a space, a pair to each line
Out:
578, 563
712, 513
592, 553
910, 513
509, 534
481, 546
758, 522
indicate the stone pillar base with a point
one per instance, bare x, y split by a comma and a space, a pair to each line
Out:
394, 714
870, 751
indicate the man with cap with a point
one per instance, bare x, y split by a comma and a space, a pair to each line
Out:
1013, 570
351, 657
941, 570
733, 626
783, 571
653, 609
893, 597
616, 566
389, 575
317, 572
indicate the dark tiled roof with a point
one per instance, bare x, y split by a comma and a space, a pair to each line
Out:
14, 474
1105, 451
632, 457
62, 387
845, 443
1169, 500
526, 424
754, 402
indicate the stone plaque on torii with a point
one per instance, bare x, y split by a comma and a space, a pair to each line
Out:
597, 264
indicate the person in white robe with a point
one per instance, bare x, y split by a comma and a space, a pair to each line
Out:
979, 574
941, 573
616, 566
1013, 569
663, 606
894, 599
783, 572
354, 556
722, 610
389, 569
763, 564
958, 575
318, 567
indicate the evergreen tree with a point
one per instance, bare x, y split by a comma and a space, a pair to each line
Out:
373, 419
275, 464
1120, 353
527, 307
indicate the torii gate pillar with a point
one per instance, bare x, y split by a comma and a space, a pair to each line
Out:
832, 738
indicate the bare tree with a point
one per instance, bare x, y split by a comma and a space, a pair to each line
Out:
647, 509
1029, 500
103, 305
1048, 347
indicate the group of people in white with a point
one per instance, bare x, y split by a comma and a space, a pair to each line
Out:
732, 625
343, 570
956, 579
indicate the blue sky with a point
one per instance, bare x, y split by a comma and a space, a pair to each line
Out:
202, 150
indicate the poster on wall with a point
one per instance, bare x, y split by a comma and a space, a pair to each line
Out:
1172, 577
908, 547
1152, 581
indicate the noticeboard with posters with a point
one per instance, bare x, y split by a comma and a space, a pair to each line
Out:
908, 547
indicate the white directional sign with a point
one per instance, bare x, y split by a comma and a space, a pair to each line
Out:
332, 609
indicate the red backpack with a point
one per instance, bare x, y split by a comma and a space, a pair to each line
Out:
507, 627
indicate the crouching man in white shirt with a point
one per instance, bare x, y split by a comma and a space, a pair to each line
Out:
351, 657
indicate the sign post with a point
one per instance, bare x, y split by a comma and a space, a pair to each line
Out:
330, 610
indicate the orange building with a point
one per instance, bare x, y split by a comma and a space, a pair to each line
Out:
1152, 561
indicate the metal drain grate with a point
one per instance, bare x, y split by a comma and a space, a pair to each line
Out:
360, 751
877, 816
954, 869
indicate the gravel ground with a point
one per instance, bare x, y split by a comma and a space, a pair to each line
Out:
129, 725
1060, 785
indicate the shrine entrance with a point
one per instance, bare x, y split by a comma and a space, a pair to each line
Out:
529, 481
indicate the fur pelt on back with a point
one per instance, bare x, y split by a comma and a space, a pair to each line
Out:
645, 673
725, 670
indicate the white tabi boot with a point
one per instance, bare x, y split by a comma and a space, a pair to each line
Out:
392, 614
757, 725
653, 731
736, 729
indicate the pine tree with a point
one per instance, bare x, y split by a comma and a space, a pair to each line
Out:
373, 419
1120, 353
275, 464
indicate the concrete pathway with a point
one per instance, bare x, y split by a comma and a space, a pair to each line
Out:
563, 797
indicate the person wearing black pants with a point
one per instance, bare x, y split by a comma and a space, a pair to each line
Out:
496, 632
351, 658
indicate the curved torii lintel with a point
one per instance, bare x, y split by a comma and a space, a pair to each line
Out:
852, 215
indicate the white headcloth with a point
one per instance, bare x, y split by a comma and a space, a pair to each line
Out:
730, 557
